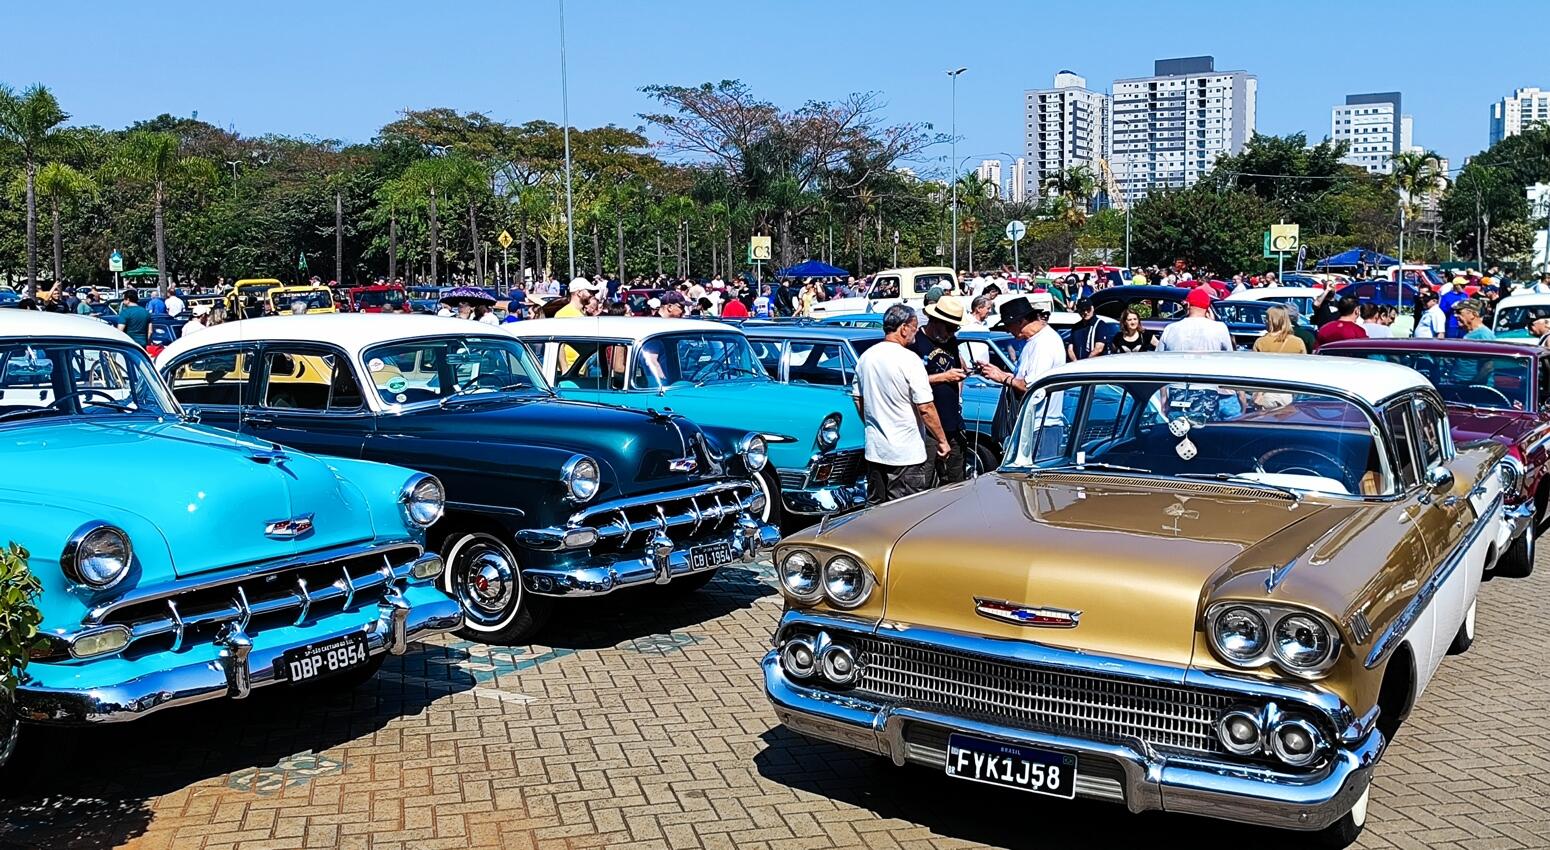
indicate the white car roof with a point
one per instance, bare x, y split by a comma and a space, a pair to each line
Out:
1369, 380
1265, 292
634, 328
31, 323
1526, 298
350, 331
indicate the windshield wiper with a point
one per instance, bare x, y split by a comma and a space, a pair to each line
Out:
1092, 464
1239, 478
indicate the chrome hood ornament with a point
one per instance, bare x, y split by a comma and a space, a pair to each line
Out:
288, 529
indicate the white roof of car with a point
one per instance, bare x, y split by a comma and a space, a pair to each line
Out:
350, 331
1369, 380
1266, 292
1525, 298
634, 328
31, 323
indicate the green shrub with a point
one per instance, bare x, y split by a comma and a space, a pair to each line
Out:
19, 615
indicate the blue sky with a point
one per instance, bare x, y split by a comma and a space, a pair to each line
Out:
343, 69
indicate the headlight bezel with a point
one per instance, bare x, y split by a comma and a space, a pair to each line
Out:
823, 559
805, 598
755, 452
829, 431
572, 474
1271, 619
70, 560
409, 496
865, 584
1511, 470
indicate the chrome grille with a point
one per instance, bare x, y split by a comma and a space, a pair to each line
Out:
837, 469
792, 479
1166, 717
685, 514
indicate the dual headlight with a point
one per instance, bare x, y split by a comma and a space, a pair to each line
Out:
829, 432
97, 555
1300, 642
755, 452
423, 500
811, 576
580, 478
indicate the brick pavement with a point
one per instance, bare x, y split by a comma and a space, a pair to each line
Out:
642, 724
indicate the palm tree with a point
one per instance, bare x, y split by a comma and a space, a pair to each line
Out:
1415, 174
1074, 188
155, 158
29, 122
60, 185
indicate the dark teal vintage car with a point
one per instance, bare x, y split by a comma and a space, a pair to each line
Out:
180, 563
546, 498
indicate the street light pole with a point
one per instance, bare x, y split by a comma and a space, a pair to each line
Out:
570, 214
953, 176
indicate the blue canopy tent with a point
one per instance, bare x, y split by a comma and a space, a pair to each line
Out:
812, 268
1354, 257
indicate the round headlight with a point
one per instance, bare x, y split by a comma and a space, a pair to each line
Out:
1240, 634
799, 575
97, 555
829, 432
424, 501
846, 582
1295, 742
1511, 472
756, 453
1239, 732
1302, 643
581, 478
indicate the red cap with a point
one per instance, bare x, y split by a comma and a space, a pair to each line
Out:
1198, 298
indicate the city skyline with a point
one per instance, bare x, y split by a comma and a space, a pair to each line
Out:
323, 72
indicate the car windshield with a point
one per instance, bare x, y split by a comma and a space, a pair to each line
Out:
54, 379
315, 299
439, 368
1477, 380
380, 298
1263, 435
695, 358
1514, 321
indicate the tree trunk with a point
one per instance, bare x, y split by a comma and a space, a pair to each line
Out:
473, 242
392, 244
161, 246
729, 251
59, 247
688, 263
435, 278
619, 230
339, 237
659, 253
31, 288
522, 247
597, 250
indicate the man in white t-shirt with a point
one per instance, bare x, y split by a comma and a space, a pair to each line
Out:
1198, 331
896, 401
1027, 318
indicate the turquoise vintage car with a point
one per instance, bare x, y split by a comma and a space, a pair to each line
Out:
707, 372
180, 563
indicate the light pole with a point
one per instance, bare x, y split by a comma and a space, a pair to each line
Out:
570, 216
954, 176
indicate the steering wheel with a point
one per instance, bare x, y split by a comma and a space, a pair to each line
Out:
1293, 461
90, 391
1489, 391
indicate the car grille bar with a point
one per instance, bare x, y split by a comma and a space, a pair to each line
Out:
707, 509
1166, 717
836, 469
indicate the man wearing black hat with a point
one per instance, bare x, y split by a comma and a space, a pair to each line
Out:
1042, 351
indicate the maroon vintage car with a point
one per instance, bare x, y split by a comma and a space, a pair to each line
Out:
1494, 391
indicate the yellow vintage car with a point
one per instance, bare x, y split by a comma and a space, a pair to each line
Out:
246, 298
1213, 584
319, 299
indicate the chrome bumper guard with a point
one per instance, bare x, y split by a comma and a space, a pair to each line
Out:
825, 500
1517, 518
661, 563
833, 482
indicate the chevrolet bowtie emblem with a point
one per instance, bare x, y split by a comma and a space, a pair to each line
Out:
1034, 616
684, 464
288, 529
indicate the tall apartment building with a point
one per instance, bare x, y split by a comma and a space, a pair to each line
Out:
990, 174
1510, 115
1375, 126
1065, 127
1017, 184
1169, 129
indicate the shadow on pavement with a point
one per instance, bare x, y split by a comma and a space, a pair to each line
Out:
638, 612
87, 786
988, 815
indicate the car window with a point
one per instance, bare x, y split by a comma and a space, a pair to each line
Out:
924, 282
1433, 429
213, 378
592, 365
298, 379
695, 358
1476, 380
768, 352
820, 363
417, 371
885, 287
1402, 430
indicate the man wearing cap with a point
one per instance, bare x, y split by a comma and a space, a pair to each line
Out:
1433, 323
1090, 336
1027, 318
937, 345
198, 323
1449, 300
673, 305
898, 410
1198, 331
582, 291
1539, 329
1471, 317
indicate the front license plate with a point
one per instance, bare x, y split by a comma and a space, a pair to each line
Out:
710, 556
322, 659
1011, 766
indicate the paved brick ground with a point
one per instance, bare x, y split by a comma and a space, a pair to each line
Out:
642, 724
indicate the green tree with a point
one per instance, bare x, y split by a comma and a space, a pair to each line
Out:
29, 122
1075, 188
1217, 230
155, 158
61, 186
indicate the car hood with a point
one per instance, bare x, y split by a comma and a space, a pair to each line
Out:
1472, 423
1135, 559
210, 493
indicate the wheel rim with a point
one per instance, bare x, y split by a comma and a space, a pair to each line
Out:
1469, 621
485, 581
762, 481
1359, 811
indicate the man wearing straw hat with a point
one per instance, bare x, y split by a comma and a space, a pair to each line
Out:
937, 345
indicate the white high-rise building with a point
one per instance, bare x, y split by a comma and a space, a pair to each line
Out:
1510, 115
1017, 184
990, 174
1169, 129
1376, 128
1064, 127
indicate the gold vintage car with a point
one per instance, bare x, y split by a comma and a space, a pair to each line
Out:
1212, 584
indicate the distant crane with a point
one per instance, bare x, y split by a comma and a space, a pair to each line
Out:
1117, 201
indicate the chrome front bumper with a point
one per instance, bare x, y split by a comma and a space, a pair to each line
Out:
231, 667
825, 500
661, 563
1515, 520
1147, 781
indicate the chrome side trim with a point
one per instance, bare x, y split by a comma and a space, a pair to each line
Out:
1391, 637
475, 507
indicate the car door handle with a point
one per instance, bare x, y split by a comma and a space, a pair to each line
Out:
258, 421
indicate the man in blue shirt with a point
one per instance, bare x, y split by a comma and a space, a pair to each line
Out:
1449, 303
134, 319
1089, 337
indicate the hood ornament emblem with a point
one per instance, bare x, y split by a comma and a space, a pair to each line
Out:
1033, 616
685, 465
288, 529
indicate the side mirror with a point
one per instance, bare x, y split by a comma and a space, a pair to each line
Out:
1439, 479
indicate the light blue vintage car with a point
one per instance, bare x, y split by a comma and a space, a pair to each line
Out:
707, 372
180, 563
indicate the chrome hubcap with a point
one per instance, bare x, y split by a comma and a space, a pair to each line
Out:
488, 582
